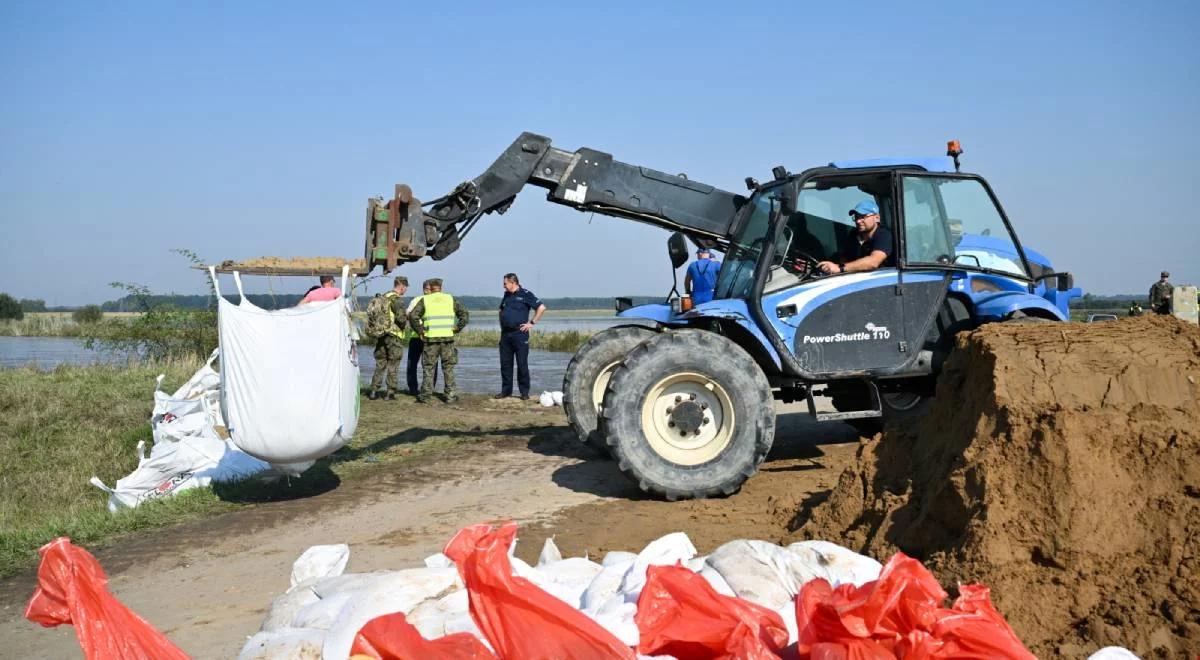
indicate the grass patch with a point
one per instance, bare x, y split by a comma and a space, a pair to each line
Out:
561, 341
58, 428
56, 324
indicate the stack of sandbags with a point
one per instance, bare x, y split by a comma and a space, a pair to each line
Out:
191, 447
326, 609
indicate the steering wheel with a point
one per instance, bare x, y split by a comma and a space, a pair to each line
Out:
802, 264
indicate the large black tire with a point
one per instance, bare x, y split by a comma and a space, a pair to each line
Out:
588, 375
706, 388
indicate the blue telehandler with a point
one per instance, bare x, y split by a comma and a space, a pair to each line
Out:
683, 396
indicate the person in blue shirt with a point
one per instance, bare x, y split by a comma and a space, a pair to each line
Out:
701, 278
515, 324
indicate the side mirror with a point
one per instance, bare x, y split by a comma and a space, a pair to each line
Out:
677, 250
1062, 281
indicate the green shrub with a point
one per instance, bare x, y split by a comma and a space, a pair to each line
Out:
10, 308
163, 331
87, 314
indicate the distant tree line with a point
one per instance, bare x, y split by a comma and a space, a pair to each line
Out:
279, 301
1090, 301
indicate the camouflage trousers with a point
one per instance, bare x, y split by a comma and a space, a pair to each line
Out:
388, 351
438, 351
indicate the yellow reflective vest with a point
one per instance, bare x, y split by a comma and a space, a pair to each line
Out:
439, 315
409, 332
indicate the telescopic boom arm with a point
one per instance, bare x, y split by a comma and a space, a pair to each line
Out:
404, 230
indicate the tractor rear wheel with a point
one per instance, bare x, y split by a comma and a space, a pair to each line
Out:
587, 378
689, 414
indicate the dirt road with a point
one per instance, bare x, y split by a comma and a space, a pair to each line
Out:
207, 584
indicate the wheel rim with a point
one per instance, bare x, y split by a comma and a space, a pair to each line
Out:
601, 384
902, 400
688, 418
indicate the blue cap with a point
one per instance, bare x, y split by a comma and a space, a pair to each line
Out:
865, 207
701, 250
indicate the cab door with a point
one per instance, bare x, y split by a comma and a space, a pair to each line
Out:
844, 324
951, 226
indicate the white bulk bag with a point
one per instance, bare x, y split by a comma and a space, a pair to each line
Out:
173, 467
289, 377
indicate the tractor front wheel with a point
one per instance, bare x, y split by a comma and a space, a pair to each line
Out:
688, 414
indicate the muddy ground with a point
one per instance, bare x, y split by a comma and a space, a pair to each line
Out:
207, 584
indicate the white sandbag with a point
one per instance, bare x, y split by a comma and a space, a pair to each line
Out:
550, 554
173, 467
665, 551
618, 557
558, 398
320, 561
336, 584
546, 399
438, 561
606, 584
286, 607
619, 620
716, 580
399, 591
322, 614
289, 378
430, 617
760, 572
566, 579
837, 565
192, 410
284, 644
1113, 653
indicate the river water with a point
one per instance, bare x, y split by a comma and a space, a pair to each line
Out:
478, 368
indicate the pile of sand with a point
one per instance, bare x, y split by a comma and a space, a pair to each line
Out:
1060, 465
295, 265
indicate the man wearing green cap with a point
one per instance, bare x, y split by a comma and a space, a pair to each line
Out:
872, 249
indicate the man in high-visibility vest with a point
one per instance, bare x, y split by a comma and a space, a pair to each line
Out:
415, 348
437, 318
389, 348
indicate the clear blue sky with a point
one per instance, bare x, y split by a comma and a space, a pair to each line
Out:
241, 129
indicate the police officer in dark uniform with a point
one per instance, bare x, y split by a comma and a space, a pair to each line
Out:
515, 324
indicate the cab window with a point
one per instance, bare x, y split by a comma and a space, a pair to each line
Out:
954, 221
822, 228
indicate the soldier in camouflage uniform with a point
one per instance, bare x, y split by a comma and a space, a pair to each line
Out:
389, 348
437, 318
1160, 295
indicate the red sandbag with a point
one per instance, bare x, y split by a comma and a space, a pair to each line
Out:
900, 616
392, 637
680, 614
72, 589
517, 617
